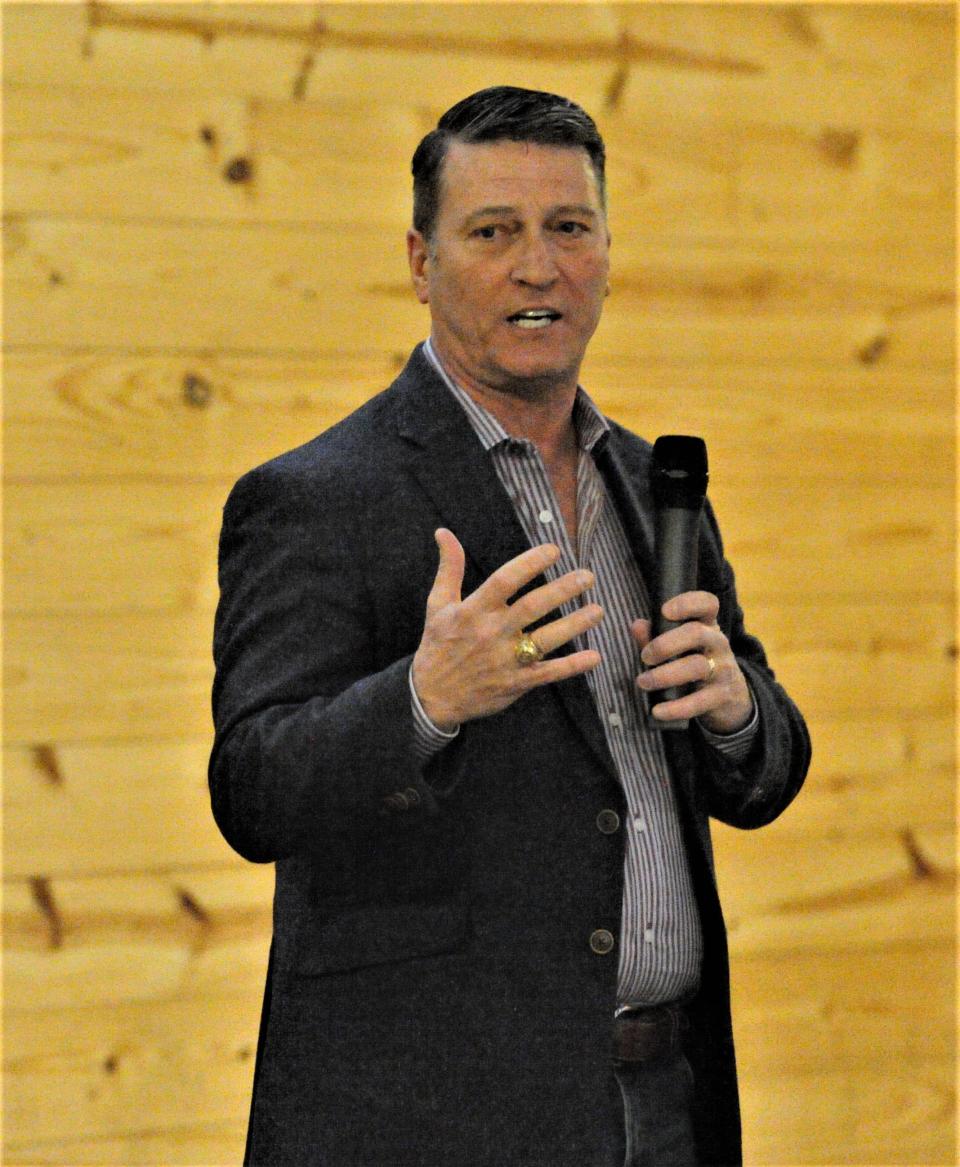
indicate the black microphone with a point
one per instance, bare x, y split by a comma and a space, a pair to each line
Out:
678, 483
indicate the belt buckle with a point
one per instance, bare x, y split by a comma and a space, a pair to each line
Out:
647, 1034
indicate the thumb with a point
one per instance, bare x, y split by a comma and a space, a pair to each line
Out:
641, 632
449, 580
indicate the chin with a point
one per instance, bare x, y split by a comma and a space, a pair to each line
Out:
536, 379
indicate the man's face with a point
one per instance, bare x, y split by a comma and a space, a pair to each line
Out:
517, 271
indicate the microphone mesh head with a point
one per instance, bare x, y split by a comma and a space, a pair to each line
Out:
678, 471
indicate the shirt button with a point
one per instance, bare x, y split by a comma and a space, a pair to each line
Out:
640, 823
545, 516
648, 936
601, 941
615, 720
608, 822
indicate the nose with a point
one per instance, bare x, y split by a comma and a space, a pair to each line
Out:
534, 265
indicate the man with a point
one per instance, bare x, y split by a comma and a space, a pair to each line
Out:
497, 938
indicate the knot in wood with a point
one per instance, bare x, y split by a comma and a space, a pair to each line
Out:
197, 391
238, 170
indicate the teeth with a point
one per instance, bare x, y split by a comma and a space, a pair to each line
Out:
534, 318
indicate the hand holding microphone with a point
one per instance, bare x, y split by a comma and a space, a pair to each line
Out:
691, 670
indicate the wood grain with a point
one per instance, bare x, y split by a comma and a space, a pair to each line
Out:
77, 808
111, 154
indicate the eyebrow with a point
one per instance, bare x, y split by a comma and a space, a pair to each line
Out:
565, 209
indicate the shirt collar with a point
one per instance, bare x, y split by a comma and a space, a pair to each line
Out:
588, 422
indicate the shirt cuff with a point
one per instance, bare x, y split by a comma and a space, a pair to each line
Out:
735, 746
427, 739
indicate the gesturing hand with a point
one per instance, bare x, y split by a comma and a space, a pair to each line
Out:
466, 666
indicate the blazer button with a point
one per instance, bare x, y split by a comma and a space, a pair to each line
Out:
397, 801
601, 941
608, 822
412, 796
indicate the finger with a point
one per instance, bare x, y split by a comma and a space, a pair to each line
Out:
495, 591
640, 630
692, 705
551, 636
560, 668
448, 584
685, 670
548, 596
693, 636
702, 606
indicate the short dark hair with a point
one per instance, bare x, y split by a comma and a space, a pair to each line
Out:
502, 112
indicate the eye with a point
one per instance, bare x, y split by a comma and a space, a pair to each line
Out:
572, 228
487, 231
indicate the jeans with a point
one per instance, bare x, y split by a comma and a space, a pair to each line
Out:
656, 1105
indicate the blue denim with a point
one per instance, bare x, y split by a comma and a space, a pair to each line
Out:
656, 1106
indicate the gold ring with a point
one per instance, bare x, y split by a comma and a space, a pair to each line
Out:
711, 667
526, 650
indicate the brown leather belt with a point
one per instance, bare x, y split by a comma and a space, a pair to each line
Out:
646, 1035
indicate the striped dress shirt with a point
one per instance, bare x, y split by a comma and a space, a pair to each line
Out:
661, 943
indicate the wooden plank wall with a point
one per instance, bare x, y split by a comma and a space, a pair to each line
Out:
205, 207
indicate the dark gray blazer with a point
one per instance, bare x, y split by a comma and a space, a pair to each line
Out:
432, 997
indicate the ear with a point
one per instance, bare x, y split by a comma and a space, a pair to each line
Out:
418, 256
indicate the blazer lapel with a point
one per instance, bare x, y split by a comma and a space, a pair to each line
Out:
455, 471
626, 474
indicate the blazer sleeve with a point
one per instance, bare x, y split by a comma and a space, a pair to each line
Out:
756, 790
312, 731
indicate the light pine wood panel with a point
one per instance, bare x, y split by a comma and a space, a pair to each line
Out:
880, 1116
106, 153
201, 415
88, 547
892, 64
131, 674
165, 156
190, 1144
831, 539
206, 415
797, 1011
836, 890
95, 677
114, 1071
71, 283
80, 809
136, 936
818, 64
878, 774
151, 546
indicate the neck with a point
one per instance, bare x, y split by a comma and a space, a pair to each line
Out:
539, 411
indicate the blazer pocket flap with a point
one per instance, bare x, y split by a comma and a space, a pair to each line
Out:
362, 936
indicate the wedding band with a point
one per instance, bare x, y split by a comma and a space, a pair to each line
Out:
526, 650
711, 666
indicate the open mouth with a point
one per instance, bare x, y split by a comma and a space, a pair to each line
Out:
534, 318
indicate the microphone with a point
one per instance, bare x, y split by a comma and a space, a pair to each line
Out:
678, 483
